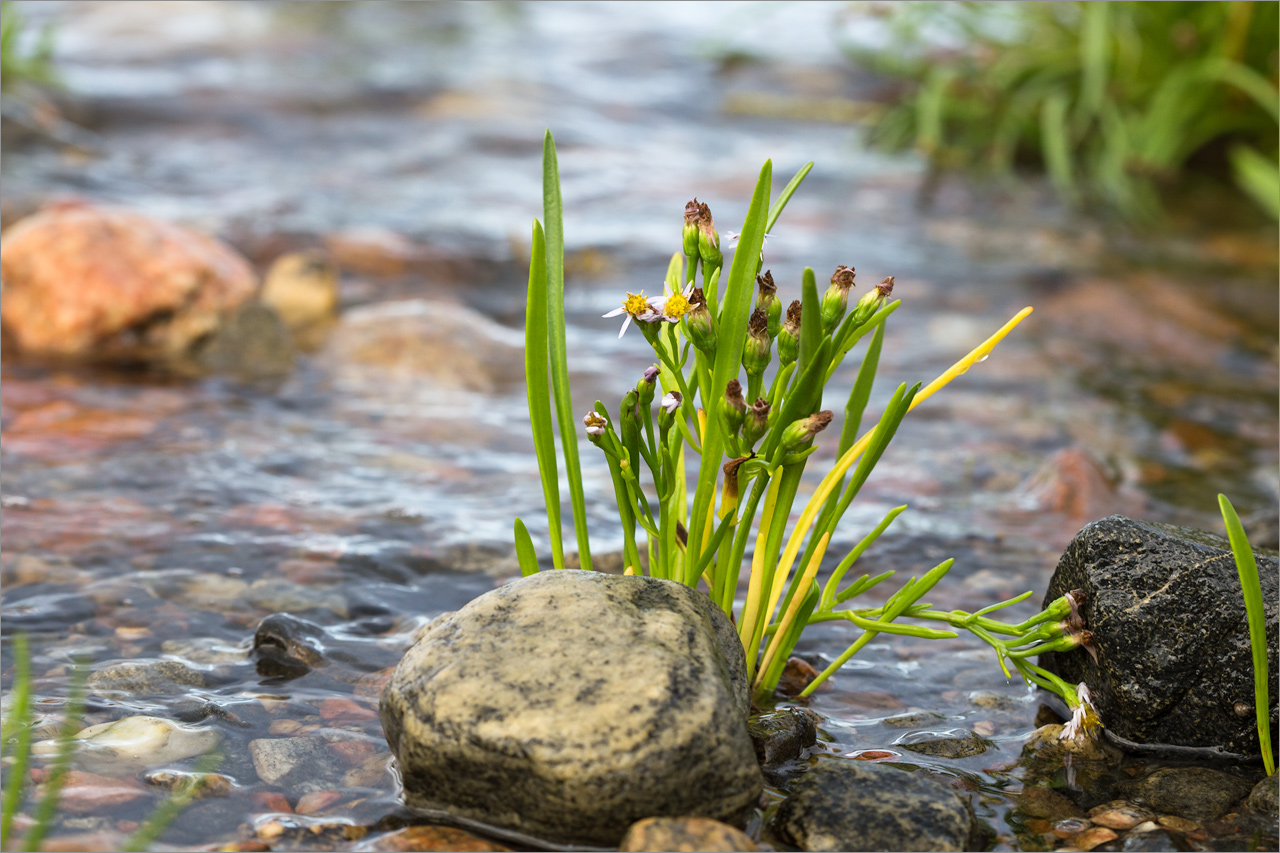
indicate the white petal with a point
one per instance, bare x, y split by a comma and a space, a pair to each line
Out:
615, 312
625, 323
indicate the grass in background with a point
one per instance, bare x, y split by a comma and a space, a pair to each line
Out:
1115, 101
20, 60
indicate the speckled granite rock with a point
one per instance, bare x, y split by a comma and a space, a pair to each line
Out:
1166, 611
569, 705
852, 805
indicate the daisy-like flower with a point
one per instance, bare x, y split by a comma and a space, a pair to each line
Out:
636, 307
673, 306
595, 423
671, 401
1084, 719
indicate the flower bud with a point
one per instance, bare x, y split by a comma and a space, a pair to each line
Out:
698, 326
756, 349
667, 409
768, 302
729, 494
645, 387
689, 236
629, 415
802, 431
708, 241
836, 299
596, 424
872, 300
732, 407
756, 422
789, 337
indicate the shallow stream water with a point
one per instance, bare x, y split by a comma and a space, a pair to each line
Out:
148, 517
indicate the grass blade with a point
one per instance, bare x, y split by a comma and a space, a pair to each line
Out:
524, 551
537, 381
62, 760
19, 723
1249, 584
789, 190
553, 215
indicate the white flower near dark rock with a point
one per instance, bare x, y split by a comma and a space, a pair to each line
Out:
568, 705
852, 805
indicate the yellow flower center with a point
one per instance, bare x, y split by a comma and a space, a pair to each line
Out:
677, 306
635, 304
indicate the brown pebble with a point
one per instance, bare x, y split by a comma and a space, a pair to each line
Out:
1119, 815
1177, 824
413, 839
796, 676
370, 686
271, 801
129, 634
684, 835
243, 847
371, 773
283, 727
1091, 838
339, 709
986, 728
316, 801
352, 752
1069, 827
271, 830
85, 793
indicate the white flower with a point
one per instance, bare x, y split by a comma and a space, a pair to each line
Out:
635, 306
732, 237
671, 401
595, 423
672, 306
1083, 718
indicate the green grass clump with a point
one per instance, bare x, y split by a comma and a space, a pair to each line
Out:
706, 484
1113, 100
21, 62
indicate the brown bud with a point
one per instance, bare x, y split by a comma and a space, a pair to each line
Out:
886, 287
691, 212
843, 277
765, 283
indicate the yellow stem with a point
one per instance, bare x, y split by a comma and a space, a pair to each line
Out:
851, 455
810, 571
746, 625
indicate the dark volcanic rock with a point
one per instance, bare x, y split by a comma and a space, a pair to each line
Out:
853, 805
1168, 619
569, 705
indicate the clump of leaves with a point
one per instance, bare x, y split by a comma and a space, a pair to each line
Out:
21, 59
1113, 100
708, 478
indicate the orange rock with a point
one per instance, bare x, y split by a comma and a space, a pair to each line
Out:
108, 282
1073, 483
430, 838
317, 801
85, 793
352, 752
684, 834
1092, 837
339, 709
796, 676
271, 801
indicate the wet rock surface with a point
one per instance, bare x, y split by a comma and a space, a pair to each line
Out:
683, 834
1263, 798
847, 805
115, 284
1166, 611
561, 705
781, 737
1196, 793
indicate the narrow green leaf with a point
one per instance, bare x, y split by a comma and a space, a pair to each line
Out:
537, 381
553, 214
525, 553
48, 805
1247, 566
18, 724
810, 319
1055, 143
833, 583
778, 206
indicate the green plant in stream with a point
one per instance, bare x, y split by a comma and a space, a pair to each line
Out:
1111, 99
21, 62
750, 443
16, 739
1247, 566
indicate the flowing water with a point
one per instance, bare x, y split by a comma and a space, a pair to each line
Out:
148, 517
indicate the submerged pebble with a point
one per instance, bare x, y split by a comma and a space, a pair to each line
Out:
684, 835
1198, 793
132, 744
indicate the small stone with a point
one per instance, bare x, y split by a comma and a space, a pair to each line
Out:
129, 634
1150, 841
796, 676
1177, 824
293, 762
1046, 803
373, 251
959, 746
252, 342
352, 752
1092, 837
371, 686
202, 785
250, 846
913, 720
149, 678
272, 830
337, 710
271, 801
429, 839
782, 736
984, 728
316, 801
303, 289
1069, 827
84, 841
205, 650
989, 700
1263, 797
283, 727
683, 835
373, 772
1198, 793
133, 744
1119, 815
84, 793
855, 805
